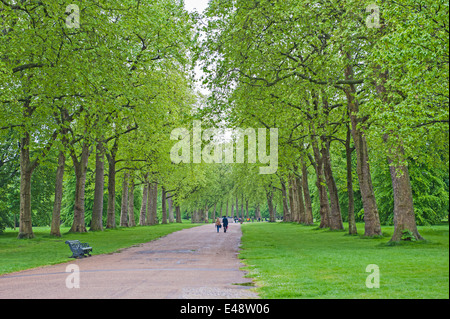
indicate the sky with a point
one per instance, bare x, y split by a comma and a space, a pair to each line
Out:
200, 5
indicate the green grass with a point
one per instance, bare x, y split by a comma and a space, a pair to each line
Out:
19, 254
294, 261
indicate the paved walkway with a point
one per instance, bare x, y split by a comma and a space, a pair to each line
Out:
192, 263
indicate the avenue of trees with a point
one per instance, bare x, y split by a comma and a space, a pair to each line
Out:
99, 97
358, 91
344, 81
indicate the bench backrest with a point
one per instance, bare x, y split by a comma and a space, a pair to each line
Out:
75, 245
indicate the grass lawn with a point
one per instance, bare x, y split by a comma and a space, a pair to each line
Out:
295, 261
19, 254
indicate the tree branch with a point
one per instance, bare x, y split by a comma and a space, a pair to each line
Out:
27, 66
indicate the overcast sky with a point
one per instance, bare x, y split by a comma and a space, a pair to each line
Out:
200, 5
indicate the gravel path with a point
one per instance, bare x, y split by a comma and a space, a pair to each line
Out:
193, 263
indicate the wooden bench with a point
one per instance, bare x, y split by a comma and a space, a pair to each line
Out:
79, 250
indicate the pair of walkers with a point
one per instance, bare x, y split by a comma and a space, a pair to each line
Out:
224, 223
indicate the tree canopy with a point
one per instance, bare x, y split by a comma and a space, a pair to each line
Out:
353, 93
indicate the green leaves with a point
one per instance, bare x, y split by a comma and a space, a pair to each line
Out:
120, 74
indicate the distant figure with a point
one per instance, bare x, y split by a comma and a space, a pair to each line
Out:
225, 224
218, 224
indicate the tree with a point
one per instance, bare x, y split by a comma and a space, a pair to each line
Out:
259, 53
407, 67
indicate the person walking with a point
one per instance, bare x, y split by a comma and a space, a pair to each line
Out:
225, 224
218, 224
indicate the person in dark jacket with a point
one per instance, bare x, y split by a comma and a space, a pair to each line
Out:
225, 224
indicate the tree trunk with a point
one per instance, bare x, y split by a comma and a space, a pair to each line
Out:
79, 225
309, 218
371, 216
292, 202
351, 202
405, 227
152, 202
257, 212
321, 186
178, 214
335, 216
124, 205
164, 207
246, 208
97, 209
150, 218
143, 205
26, 170
170, 204
237, 206
200, 215
155, 204
242, 207
404, 216
25, 225
301, 202
56, 216
287, 207
269, 196
111, 209
206, 217
131, 219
